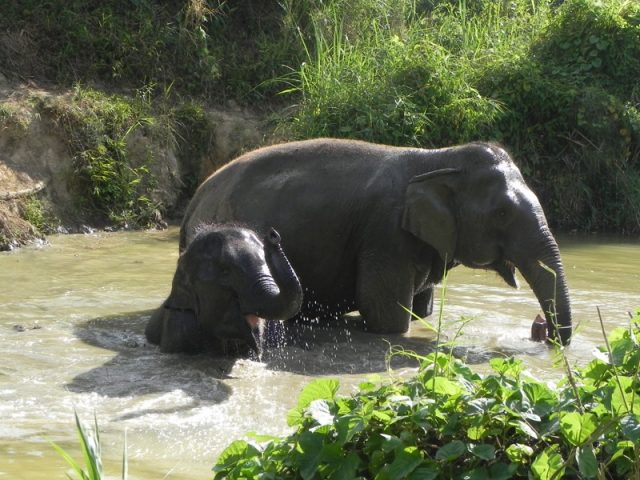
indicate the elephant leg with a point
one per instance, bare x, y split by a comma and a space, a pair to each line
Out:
423, 303
181, 332
382, 290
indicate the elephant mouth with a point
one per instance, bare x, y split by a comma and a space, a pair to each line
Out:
507, 272
256, 327
253, 320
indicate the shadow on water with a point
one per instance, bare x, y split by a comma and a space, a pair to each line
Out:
343, 347
140, 369
339, 348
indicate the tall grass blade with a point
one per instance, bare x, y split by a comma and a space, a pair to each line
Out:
90, 451
70, 461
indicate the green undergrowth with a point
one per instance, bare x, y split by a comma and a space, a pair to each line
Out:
450, 422
107, 182
116, 142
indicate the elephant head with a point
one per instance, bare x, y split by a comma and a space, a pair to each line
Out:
475, 208
226, 284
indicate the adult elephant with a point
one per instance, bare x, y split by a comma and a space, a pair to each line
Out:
373, 227
226, 283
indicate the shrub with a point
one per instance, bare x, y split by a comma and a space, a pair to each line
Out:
449, 422
106, 180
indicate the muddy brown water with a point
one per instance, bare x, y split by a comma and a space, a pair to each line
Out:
72, 315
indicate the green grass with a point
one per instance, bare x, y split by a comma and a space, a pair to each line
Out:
112, 185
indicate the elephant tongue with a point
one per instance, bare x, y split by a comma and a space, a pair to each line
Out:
253, 320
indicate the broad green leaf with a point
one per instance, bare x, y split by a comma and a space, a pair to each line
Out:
587, 462
476, 432
406, 460
294, 417
321, 389
541, 397
525, 428
238, 450
481, 473
621, 448
381, 416
349, 426
631, 427
425, 472
519, 453
480, 406
509, 367
347, 468
444, 386
578, 427
623, 398
483, 451
311, 448
319, 411
390, 443
596, 371
502, 471
620, 342
549, 464
451, 451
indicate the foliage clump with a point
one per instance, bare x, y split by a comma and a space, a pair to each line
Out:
108, 183
449, 422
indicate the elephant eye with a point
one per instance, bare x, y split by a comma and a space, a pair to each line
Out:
225, 271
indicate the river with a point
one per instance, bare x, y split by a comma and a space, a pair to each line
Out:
71, 338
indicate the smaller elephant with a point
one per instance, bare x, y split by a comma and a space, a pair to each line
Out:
227, 283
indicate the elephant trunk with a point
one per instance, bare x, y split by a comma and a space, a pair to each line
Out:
278, 295
544, 273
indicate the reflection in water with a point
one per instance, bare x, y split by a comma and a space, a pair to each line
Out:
71, 337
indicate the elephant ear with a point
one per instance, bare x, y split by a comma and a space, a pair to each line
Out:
428, 211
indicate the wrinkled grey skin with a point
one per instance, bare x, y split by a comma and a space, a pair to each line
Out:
372, 226
226, 282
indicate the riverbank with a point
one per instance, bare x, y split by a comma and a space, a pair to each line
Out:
119, 124
81, 159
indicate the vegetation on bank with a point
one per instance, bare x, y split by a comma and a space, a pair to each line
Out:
554, 81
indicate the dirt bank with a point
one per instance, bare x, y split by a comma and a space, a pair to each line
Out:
40, 160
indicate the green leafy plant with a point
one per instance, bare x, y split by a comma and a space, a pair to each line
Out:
34, 211
98, 127
449, 422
